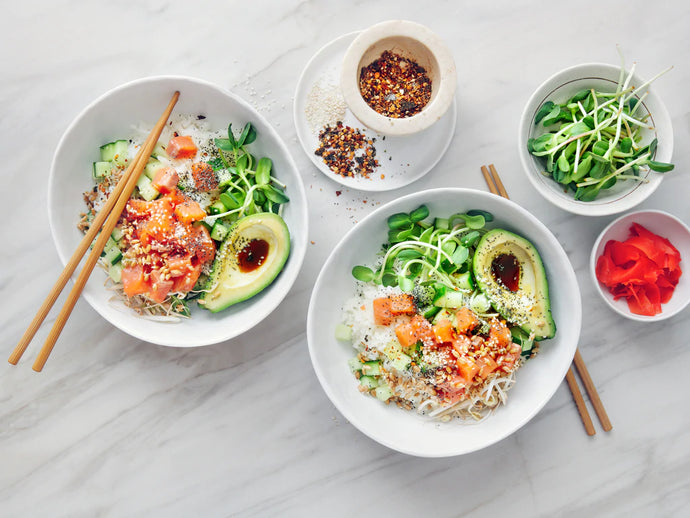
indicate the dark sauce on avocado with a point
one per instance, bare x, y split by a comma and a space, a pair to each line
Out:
506, 270
252, 255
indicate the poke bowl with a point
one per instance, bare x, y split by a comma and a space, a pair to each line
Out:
410, 430
631, 186
121, 116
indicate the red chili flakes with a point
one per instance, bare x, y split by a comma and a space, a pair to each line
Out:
347, 151
395, 86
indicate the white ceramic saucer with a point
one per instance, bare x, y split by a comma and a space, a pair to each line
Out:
402, 159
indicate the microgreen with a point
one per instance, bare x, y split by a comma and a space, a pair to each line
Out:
594, 138
421, 254
247, 185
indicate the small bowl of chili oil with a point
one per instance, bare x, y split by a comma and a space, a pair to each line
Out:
398, 78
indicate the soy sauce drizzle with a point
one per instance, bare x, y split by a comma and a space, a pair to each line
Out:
252, 255
506, 269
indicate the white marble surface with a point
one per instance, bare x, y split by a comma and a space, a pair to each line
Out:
116, 427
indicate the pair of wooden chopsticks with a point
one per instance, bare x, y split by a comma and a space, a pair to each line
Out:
100, 229
496, 186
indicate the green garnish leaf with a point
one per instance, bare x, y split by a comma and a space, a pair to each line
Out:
231, 138
363, 273
478, 212
399, 220
420, 213
406, 284
660, 167
263, 171
543, 111
275, 195
224, 145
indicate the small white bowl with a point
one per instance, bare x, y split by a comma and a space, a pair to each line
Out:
663, 224
113, 116
559, 88
410, 40
409, 432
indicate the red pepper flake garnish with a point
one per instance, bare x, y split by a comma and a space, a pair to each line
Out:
346, 151
395, 86
644, 269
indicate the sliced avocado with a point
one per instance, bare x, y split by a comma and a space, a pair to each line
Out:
248, 260
509, 271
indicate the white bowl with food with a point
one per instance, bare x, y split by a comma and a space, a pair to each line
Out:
360, 360
581, 154
398, 77
638, 265
172, 274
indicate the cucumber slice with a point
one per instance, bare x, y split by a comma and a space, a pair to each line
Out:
113, 256
152, 168
115, 272
159, 151
354, 364
115, 152
219, 231
117, 233
451, 299
343, 333
371, 368
368, 382
146, 188
442, 223
102, 169
216, 208
383, 393
399, 360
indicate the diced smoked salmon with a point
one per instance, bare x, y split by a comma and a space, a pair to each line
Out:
181, 147
466, 320
416, 330
443, 329
133, 281
189, 211
165, 180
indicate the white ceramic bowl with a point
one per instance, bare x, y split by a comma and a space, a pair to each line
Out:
112, 116
560, 87
408, 432
410, 40
663, 224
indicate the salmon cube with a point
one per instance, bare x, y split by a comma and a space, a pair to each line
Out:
181, 147
165, 180
443, 330
382, 311
402, 305
467, 368
467, 320
189, 211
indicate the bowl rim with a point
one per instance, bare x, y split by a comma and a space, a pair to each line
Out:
301, 211
594, 256
432, 112
387, 208
571, 205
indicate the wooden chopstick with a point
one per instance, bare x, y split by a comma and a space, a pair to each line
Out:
592, 391
580, 402
493, 180
104, 222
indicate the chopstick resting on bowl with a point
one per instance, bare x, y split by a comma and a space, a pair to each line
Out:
496, 187
102, 226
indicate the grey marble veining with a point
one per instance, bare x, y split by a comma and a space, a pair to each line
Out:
117, 427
